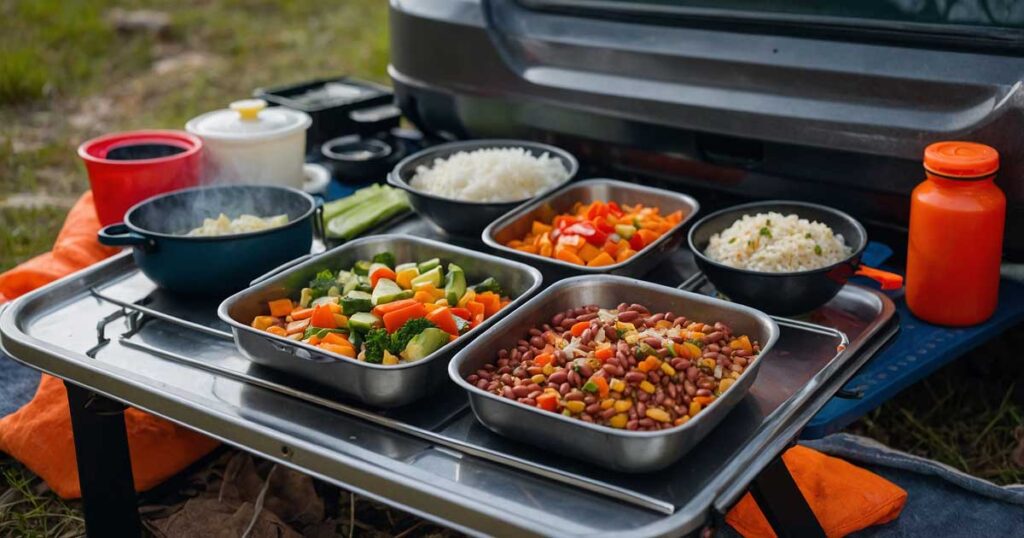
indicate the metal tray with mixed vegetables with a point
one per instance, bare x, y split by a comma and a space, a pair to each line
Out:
382, 312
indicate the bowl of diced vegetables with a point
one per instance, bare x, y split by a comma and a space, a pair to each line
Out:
370, 318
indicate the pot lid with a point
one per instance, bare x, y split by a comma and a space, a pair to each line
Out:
248, 119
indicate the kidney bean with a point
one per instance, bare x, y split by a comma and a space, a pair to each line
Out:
646, 423
574, 378
574, 395
558, 377
633, 425
725, 362
742, 361
533, 395
673, 390
679, 363
527, 356
593, 409
713, 337
669, 402
521, 391
586, 336
692, 373
643, 396
608, 413
482, 384
610, 334
506, 391
639, 308
653, 341
472, 378
659, 398
736, 368
492, 386
641, 408
635, 377
654, 319
586, 418
586, 371
534, 370
609, 369
679, 322
589, 399
557, 319
537, 342
669, 316
706, 383
627, 316
689, 387
567, 323
564, 389
529, 401
712, 347
703, 392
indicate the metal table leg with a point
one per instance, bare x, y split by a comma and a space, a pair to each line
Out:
782, 503
104, 464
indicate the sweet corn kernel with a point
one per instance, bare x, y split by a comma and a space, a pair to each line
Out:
694, 408
682, 420
663, 324
623, 405
710, 363
549, 369
575, 406
538, 379
607, 402
725, 384
618, 421
617, 385
668, 369
647, 387
660, 415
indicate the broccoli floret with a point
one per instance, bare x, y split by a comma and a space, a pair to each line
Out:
489, 284
374, 344
323, 282
386, 258
407, 331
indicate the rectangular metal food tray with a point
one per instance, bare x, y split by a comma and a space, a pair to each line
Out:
517, 223
433, 459
373, 384
623, 450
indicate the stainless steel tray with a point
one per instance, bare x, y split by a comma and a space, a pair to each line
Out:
630, 451
373, 384
433, 460
517, 223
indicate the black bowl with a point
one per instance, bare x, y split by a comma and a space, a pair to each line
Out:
783, 294
465, 217
356, 159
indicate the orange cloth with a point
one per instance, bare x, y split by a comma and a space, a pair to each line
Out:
39, 434
844, 497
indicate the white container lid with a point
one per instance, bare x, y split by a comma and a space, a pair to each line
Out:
248, 120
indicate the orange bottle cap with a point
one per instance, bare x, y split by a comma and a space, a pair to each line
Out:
961, 159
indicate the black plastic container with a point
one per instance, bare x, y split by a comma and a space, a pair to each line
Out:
329, 102
355, 160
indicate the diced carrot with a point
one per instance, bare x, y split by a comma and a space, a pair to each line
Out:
491, 302
261, 323
588, 252
335, 307
648, 364
539, 227
611, 247
463, 313
382, 309
335, 338
302, 313
578, 327
527, 248
689, 350
743, 343
341, 320
381, 272
281, 307
297, 326
675, 217
601, 260
604, 353
323, 317
704, 400
278, 330
547, 401
649, 236
545, 250
313, 340
544, 359
423, 297
567, 255
602, 385
340, 349
404, 278
443, 318
395, 319
625, 255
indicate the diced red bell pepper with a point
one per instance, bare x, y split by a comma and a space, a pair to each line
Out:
636, 242
563, 221
463, 313
604, 226
547, 401
395, 319
477, 309
323, 318
597, 209
614, 209
442, 317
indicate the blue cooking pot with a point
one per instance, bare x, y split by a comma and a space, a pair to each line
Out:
218, 265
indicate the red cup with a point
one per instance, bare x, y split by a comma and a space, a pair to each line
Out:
126, 168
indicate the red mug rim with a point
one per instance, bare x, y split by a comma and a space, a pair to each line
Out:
190, 143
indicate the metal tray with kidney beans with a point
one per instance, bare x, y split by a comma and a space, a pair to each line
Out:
630, 386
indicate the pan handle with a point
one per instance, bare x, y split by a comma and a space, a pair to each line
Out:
118, 235
889, 281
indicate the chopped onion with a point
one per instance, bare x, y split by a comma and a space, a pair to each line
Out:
600, 337
718, 371
605, 315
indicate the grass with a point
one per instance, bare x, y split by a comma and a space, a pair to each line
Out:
66, 75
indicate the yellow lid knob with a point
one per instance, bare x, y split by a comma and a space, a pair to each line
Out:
249, 109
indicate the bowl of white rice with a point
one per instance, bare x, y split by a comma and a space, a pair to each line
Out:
463, 186
782, 257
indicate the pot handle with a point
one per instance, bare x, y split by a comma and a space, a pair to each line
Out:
280, 268
889, 281
118, 235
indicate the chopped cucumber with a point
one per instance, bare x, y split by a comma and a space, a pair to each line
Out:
386, 291
385, 258
432, 276
362, 322
455, 284
361, 268
356, 301
403, 266
305, 297
425, 343
428, 265
325, 300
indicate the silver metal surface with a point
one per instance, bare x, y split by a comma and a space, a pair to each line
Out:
373, 384
517, 223
52, 328
623, 450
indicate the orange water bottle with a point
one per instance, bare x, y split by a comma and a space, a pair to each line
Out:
957, 217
